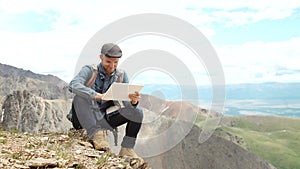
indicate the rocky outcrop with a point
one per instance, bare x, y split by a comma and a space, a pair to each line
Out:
1, 111
215, 153
29, 113
174, 109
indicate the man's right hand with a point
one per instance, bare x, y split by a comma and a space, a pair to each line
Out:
98, 96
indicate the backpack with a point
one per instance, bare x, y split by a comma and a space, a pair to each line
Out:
72, 117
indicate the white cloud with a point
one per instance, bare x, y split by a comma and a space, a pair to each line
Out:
184, 59
240, 13
77, 21
258, 61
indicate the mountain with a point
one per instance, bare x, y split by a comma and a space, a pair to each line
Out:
258, 91
273, 138
214, 153
160, 131
38, 103
37, 133
33, 102
263, 91
45, 86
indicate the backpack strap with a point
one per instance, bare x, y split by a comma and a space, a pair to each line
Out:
121, 75
93, 77
120, 80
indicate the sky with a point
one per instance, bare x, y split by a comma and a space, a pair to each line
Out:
255, 41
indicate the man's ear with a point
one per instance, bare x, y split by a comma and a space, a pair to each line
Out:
101, 56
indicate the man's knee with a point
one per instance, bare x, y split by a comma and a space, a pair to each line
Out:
77, 100
139, 114
133, 114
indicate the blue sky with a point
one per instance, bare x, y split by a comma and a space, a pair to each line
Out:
256, 41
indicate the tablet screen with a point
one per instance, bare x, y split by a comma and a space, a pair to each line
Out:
120, 91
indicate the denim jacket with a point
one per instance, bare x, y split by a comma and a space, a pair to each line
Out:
78, 84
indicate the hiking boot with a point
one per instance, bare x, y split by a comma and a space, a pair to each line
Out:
128, 152
99, 141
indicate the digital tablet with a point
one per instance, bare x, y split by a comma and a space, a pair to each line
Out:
120, 91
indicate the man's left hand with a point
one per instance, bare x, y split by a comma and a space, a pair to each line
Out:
135, 98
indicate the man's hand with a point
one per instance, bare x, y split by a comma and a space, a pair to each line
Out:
135, 98
98, 96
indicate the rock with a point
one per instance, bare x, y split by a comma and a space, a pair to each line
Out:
21, 166
41, 162
182, 110
86, 144
3, 162
26, 112
63, 138
44, 139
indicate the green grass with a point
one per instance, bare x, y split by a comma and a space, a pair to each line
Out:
276, 149
267, 123
101, 160
16, 155
275, 139
79, 166
3, 141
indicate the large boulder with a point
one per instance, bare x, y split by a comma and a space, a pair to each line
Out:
29, 113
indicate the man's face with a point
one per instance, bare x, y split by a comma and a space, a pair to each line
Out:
109, 64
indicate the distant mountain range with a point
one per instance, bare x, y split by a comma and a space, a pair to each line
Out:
259, 91
45, 86
263, 91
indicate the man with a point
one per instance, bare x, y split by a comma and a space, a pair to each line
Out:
89, 85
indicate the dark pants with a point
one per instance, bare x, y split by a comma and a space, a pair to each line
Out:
93, 120
116, 119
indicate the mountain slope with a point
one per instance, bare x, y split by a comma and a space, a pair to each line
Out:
45, 86
215, 153
274, 138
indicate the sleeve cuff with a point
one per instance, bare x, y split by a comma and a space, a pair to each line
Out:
134, 105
